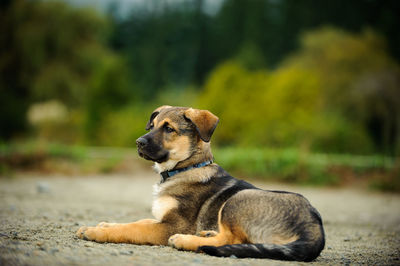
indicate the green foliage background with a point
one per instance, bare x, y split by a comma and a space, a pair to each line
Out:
292, 75
323, 97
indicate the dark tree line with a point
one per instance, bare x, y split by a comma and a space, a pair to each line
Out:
180, 45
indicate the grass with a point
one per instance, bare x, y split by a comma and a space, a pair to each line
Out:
294, 166
284, 165
53, 157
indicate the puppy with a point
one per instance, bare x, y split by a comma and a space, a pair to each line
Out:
200, 207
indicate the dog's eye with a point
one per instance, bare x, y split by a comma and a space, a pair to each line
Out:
151, 126
169, 129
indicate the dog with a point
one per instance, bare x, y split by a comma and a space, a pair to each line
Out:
199, 207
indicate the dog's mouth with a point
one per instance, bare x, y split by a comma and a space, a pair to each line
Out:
159, 159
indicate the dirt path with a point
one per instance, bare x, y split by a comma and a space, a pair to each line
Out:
39, 217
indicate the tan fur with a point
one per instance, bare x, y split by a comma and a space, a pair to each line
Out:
192, 242
280, 240
140, 232
208, 233
105, 224
202, 153
204, 120
179, 148
162, 107
162, 205
166, 121
227, 236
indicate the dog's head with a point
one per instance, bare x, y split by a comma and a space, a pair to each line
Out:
178, 135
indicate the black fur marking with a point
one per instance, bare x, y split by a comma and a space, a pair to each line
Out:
218, 189
297, 251
153, 150
153, 115
223, 193
281, 191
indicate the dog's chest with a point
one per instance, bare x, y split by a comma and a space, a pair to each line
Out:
162, 204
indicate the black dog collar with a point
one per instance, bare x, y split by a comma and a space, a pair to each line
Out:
167, 174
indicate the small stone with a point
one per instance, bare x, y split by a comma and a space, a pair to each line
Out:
197, 261
126, 252
15, 242
37, 253
232, 257
54, 250
42, 187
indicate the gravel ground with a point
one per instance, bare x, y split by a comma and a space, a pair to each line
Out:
39, 216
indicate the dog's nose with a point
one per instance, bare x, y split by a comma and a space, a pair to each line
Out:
141, 142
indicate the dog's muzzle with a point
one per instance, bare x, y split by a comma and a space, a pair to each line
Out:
150, 151
141, 142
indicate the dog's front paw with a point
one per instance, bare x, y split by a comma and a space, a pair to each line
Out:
92, 233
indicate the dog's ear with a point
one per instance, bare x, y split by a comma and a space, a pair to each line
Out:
154, 114
204, 121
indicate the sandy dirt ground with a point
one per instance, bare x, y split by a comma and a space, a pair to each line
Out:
39, 216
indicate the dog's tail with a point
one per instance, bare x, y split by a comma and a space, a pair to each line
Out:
298, 251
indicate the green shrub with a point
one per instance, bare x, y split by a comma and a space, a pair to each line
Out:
326, 97
296, 166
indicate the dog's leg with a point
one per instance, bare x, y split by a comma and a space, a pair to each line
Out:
208, 233
192, 242
142, 232
106, 224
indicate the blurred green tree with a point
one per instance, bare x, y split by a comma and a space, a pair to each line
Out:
177, 44
275, 26
361, 81
49, 50
165, 47
338, 93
